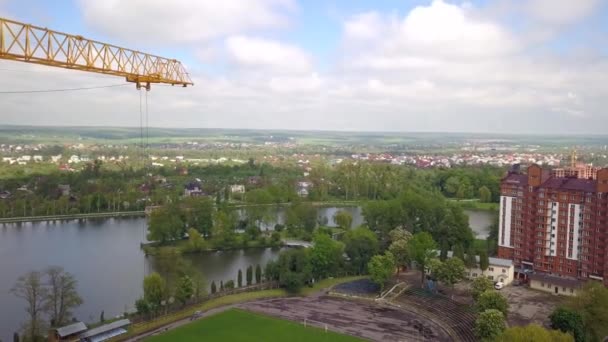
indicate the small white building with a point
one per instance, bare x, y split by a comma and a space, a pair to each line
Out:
498, 270
237, 189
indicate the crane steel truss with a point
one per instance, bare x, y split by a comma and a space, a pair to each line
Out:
33, 44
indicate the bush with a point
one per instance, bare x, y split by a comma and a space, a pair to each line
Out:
492, 300
229, 285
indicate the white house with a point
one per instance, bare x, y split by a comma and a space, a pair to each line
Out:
237, 189
498, 270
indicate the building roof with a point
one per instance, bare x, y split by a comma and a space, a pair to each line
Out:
71, 329
556, 280
492, 261
516, 178
579, 184
105, 328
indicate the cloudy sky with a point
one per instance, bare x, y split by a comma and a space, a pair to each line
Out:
476, 66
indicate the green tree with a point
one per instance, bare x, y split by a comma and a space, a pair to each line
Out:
239, 279
294, 269
62, 295
343, 219
154, 291
485, 195
458, 252
381, 268
30, 287
200, 216
229, 284
221, 285
445, 246
492, 300
591, 302
452, 185
325, 256
271, 271
421, 249
451, 271
399, 249
15, 337
249, 275
258, 274
533, 333
213, 287
484, 261
196, 243
101, 317
569, 321
489, 325
166, 224
471, 258
142, 307
185, 290
480, 285
361, 245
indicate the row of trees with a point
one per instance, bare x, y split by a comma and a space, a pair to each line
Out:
50, 297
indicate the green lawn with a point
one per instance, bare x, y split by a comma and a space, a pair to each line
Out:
241, 326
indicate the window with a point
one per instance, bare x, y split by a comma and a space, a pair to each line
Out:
491, 277
504, 271
571, 290
542, 284
474, 275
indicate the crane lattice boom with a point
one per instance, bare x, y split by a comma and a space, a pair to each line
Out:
33, 44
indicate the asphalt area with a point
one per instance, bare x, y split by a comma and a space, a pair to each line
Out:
368, 321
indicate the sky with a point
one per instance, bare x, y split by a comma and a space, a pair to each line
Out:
497, 66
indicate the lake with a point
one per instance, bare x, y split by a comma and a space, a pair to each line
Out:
105, 257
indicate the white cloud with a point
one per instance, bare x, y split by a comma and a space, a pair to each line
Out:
438, 67
161, 21
296, 83
265, 53
560, 12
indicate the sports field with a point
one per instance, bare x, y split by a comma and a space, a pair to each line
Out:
242, 326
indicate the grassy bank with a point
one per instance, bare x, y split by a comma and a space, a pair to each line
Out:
139, 328
239, 325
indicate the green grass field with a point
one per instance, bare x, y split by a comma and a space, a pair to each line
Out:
241, 326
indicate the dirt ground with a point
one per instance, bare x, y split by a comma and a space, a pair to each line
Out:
366, 320
529, 306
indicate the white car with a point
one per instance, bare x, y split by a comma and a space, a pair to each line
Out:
499, 285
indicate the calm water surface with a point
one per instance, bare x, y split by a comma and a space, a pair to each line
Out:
105, 257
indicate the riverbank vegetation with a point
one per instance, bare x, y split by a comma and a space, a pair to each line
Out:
50, 297
96, 187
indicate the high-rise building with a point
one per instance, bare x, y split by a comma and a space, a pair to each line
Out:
555, 224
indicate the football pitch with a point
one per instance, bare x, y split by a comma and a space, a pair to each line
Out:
242, 326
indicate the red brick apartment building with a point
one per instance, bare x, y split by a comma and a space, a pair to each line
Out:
555, 226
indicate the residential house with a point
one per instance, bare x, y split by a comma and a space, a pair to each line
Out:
193, 189
237, 189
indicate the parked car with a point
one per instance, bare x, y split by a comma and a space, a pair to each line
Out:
499, 285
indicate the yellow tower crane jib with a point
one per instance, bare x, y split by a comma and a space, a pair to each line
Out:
32, 44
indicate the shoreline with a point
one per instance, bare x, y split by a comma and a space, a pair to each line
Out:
68, 217
141, 213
